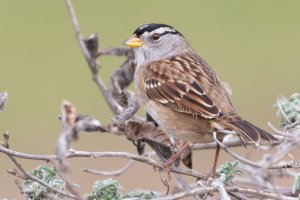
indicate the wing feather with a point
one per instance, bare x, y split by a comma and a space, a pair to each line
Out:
181, 87
250, 133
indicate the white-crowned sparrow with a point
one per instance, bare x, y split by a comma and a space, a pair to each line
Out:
181, 91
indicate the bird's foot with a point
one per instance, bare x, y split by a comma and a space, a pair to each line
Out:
165, 178
165, 175
210, 176
173, 158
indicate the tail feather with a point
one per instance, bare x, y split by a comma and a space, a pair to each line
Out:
250, 133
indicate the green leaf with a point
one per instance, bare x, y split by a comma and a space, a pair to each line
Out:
109, 189
141, 195
106, 190
48, 174
296, 184
229, 170
288, 110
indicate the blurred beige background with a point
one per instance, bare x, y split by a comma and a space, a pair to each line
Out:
255, 46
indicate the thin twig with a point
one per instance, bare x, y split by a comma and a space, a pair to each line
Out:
182, 182
116, 51
229, 141
276, 130
117, 172
261, 193
218, 184
281, 109
68, 134
205, 190
238, 196
195, 191
283, 164
93, 65
3, 100
132, 108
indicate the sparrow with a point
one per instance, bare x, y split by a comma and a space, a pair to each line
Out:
182, 92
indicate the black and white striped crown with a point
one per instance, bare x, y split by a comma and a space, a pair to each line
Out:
151, 27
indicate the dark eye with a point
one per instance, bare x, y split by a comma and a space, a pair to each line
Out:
155, 36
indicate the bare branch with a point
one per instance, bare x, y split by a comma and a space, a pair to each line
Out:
84, 154
132, 108
283, 164
238, 196
229, 141
182, 182
261, 193
195, 191
205, 190
91, 59
117, 172
68, 132
3, 100
218, 184
116, 51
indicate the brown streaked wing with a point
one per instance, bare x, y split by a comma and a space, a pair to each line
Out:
179, 87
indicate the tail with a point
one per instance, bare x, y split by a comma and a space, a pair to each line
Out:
249, 133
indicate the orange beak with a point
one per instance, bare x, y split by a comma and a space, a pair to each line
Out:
133, 41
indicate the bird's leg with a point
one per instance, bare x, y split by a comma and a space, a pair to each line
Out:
168, 163
212, 173
171, 160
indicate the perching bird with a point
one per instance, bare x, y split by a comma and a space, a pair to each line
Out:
181, 91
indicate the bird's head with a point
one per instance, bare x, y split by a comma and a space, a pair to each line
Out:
153, 42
